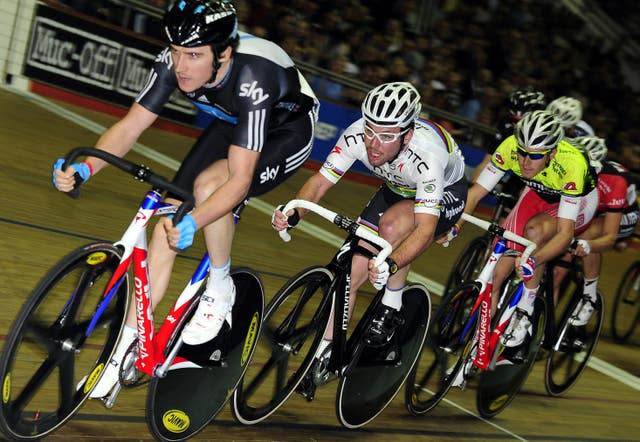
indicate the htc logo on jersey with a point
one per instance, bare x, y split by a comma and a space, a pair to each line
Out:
269, 174
255, 93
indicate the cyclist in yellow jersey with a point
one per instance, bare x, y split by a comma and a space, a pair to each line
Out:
559, 199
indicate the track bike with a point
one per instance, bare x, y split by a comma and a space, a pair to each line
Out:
68, 328
295, 322
464, 338
626, 307
568, 347
470, 260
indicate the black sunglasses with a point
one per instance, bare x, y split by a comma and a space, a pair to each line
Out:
532, 155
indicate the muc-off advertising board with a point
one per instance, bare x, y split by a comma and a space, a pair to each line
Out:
100, 62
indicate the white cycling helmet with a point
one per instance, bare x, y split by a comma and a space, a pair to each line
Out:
392, 105
595, 147
567, 110
538, 131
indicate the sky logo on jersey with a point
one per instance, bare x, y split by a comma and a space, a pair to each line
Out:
269, 174
570, 186
252, 91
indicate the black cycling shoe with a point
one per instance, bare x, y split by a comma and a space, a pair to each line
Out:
385, 321
307, 388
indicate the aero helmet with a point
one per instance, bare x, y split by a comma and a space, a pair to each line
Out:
595, 147
191, 23
538, 131
392, 104
523, 101
567, 110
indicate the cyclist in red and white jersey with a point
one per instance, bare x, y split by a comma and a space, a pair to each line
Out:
559, 198
422, 197
568, 111
616, 220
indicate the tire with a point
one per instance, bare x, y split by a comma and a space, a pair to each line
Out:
436, 368
293, 327
565, 363
375, 375
498, 387
54, 355
626, 308
468, 263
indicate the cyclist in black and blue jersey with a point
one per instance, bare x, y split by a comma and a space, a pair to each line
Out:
265, 113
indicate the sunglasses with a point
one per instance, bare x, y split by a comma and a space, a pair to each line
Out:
532, 155
383, 137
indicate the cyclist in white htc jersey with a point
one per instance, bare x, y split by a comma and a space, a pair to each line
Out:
423, 194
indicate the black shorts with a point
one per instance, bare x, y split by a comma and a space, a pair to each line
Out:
454, 199
285, 150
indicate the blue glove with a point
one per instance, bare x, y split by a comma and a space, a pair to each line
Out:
187, 228
82, 168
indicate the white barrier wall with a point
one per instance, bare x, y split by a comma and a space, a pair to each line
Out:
15, 23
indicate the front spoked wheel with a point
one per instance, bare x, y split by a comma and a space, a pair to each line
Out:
294, 324
626, 308
444, 352
58, 346
468, 264
571, 352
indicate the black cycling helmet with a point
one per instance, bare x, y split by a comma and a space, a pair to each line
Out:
191, 23
524, 101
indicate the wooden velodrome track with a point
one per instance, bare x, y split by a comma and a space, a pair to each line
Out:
39, 225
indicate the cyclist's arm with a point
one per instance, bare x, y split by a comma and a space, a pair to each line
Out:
313, 190
241, 165
607, 239
120, 138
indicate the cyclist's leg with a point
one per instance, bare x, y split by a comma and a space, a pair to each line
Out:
284, 151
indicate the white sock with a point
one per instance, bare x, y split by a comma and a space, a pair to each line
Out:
393, 297
219, 279
128, 335
590, 288
322, 347
527, 300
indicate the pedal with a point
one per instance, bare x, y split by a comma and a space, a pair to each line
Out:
307, 388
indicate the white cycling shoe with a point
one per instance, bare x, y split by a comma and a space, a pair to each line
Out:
519, 328
213, 311
112, 371
583, 312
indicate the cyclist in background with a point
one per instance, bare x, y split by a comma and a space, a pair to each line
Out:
616, 220
559, 198
422, 197
262, 133
520, 103
568, 111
